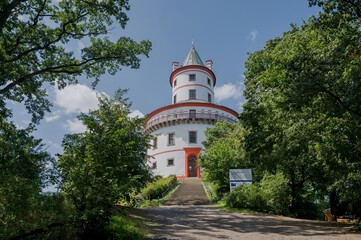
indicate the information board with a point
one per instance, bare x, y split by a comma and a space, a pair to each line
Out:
238, 177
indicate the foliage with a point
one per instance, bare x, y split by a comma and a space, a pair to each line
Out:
271, 195
211, 190
25, 168
36, 41
154, 190
303, 111
276, 192
122, 228
224, 150
103, 165
247, 196
36, 49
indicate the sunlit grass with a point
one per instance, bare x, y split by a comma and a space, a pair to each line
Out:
125, 228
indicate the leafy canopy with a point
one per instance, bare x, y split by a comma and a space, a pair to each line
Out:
35, 38
104, 164
303, 107
224, 150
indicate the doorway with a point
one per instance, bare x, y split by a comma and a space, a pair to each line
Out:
192, 166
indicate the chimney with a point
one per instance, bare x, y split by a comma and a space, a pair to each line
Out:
209, 64
175, 65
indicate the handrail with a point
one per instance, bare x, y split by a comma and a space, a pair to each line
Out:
189, 115
169, 189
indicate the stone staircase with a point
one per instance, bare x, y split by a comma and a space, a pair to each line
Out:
190, 192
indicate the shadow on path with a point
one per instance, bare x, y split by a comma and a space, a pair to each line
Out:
208, 222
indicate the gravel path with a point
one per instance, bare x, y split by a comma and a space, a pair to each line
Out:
206, 222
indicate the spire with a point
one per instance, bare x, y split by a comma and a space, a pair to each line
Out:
193, 58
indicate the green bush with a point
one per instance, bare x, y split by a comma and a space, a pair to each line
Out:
247, 196
155, 189
272, 195
276, 192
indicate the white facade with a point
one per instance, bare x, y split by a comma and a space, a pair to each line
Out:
179, 129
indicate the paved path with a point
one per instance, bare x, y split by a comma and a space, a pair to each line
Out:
206, 222
190, 192
189, 216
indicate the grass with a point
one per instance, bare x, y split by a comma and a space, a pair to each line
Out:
158, 202
126, 228
222, 205
212, 197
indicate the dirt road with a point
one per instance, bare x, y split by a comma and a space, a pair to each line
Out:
206, 222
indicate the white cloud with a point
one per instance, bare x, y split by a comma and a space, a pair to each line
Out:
227, 91
75, 126
76, 98
52, 117
136, 113
252, 35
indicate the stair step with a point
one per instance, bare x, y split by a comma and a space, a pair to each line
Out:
190, 192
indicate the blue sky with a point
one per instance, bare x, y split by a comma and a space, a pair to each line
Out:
223, 31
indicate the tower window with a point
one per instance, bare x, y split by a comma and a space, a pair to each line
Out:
192, 113
192, 77
175, 83
192, 137
170, 162
209, 81
170, 139
209, 98
175, 99
192, 94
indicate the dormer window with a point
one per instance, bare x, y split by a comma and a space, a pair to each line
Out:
192, 77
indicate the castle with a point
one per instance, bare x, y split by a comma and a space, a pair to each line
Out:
178, 129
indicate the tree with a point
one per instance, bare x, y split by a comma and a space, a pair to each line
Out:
103, 165
34, 46
224, 150
303, 108
25, 168
36, 38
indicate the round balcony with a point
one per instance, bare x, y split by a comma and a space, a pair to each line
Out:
185, 118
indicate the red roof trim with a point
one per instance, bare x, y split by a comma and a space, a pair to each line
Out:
190, 104
191, 67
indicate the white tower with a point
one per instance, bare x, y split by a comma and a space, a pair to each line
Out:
178, 129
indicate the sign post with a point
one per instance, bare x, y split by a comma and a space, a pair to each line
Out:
238, 177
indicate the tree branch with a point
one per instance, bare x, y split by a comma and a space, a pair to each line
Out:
339, 101
6, 12
57, 39
56, 69
357, 7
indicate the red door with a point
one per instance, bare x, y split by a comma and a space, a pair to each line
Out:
192, 166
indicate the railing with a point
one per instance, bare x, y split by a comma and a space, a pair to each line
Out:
190, 116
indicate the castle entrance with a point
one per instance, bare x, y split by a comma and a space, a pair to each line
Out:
192, 166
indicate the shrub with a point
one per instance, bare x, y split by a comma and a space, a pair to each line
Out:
272, 195
276, 192
247, 196
155, 189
